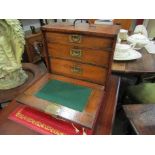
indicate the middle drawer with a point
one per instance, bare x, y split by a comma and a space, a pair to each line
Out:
69, 52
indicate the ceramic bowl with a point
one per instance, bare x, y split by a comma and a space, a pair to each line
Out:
139, 40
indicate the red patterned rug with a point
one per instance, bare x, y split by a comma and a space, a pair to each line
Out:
45, 124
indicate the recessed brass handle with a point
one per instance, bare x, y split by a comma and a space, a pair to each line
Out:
75, 38
76, 69
76, 53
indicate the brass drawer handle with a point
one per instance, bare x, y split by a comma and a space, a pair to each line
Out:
76, 69
75, 38
76, 53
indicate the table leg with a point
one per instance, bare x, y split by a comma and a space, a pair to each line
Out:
139, 79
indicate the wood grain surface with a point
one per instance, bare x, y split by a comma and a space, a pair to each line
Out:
85, 41
85, 55
141, 117
105, 120
79, 71
97, 30
146, 64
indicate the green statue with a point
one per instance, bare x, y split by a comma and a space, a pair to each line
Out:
11, 50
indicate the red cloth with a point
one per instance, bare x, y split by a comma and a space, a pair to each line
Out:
139, 21
43, 123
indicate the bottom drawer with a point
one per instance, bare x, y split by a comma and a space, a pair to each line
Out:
79, 71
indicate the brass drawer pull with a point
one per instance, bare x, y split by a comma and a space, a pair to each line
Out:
75, 38
76, 69
76, 53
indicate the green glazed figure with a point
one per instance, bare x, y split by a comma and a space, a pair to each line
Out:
11, 50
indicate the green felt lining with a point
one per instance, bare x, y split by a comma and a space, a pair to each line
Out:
66, 94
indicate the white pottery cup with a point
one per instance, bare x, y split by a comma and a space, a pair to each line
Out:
124, 48
123, 34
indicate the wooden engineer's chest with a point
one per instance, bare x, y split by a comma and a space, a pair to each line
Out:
84, 53
81, 56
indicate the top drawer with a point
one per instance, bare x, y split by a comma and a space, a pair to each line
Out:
80, 40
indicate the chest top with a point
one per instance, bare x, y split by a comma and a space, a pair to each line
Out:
97, 30
80, 52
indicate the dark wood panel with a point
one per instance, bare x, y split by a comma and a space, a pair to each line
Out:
142, 118
32, 39
106, 117
144, 64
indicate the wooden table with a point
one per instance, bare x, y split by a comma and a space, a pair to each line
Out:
103, 125
146, 64
141, 117
31, 40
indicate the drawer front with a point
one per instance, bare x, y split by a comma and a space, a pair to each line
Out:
69, 52
79, 71
81, 40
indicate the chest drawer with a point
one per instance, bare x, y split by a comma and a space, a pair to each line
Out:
70, 52
79, 70
81, 40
